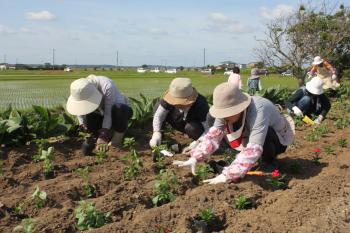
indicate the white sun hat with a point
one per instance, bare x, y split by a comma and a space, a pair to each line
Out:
84, 97
315, 86
317, 60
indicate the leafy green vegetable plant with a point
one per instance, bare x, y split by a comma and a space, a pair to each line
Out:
84, 173
329, 150
207, 215
243, 202
88, 217
28, 225
39, 197
203, 171
164, 186
343, 142
135, 166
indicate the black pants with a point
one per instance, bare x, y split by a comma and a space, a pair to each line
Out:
121, 114
272, 146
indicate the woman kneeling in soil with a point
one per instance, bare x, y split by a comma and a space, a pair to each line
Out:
252, 125
309, 100
100, 108
183, 108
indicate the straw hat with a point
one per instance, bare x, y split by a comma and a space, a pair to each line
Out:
254, 73
315, 86
317, 60
180, 92
84, 97
228, 100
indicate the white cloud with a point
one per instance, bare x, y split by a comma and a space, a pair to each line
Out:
222, 23
41, 15
157, 31
6, 30
278, 11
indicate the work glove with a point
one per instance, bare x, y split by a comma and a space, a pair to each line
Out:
334, 77
156, 139
102, 140
190, 162
297, 111
319, 119
219, 179
187, 150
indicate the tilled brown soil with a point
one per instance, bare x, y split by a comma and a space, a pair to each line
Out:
317, 198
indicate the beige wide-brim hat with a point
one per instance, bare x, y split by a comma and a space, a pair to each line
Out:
315, 86
180, 92
84, 98
317, 60
228, 100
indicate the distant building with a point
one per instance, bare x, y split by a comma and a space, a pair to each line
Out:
228, 65
3, 67
68, 69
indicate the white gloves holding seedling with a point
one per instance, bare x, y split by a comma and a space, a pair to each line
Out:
190, 162
297, 111
334, 77
319, 119
156, 139
219, 179
187, 150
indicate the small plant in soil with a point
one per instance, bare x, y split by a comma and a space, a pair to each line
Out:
298, 121
243, 202
101, 157
342, 123
41, 144
207, 215
88, 217
229, 155
203, 171
28, 225
135, 166
47, 156
39, 198
160, 229
343, 142
276, 180
88, 189
329, 150
156, 152
19, 208
316, 157
129, 143
295, 167
160, 163
164, 187
322, 129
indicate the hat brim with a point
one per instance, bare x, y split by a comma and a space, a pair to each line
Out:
233, 110
83, 107
317, 63
313, 90
181, 101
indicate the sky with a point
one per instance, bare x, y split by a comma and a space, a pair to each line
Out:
162, 32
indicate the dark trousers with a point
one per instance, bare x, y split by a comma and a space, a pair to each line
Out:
193, 129
272, 146
121, 114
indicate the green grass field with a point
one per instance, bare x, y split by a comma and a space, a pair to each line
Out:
22, 89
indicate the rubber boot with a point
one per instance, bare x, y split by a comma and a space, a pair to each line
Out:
117, 139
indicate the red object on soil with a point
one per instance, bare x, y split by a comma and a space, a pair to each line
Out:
318, 150
276, 173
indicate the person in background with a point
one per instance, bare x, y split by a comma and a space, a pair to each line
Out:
250, 124
236, 77
310, 100
101, 110
326, 72
254, 81
183, 108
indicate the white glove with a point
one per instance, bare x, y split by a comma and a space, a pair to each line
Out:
334, 77
219, 179
156, 139
190, 162
319, 119
297, 111
187, 149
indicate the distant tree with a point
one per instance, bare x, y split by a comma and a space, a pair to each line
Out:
296, 39
181, 68
144, 66
47, 66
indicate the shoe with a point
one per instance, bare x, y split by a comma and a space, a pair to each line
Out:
88, 146
117, 139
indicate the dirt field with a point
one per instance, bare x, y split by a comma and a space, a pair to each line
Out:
317, 198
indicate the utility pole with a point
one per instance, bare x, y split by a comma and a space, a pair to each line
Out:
204, 57
53, 59
117, 59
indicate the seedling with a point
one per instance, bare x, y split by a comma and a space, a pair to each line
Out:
88, 189
39, 197
295, 167
156, 152
129, 143
161, 229
88, 217
44, 154
28, 225
41, 143
203, 171
160, 163
316, 158
101, 157
19, 208
342, 123
343, 142
134, 168
229, 155
163, 188
298, 121
243, 202
329, 150
207, 215
276, 180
